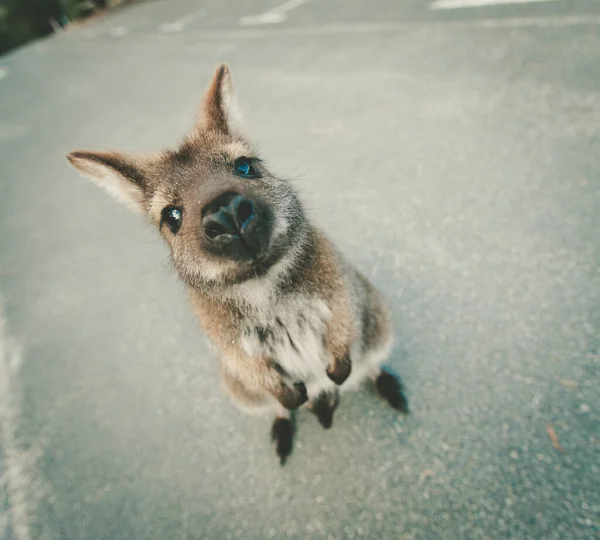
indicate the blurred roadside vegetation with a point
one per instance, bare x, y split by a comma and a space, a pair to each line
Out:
22, 21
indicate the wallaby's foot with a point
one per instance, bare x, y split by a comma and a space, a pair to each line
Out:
391, 388
324, 406
282, 434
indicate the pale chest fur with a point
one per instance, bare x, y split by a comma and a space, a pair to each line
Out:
291, 332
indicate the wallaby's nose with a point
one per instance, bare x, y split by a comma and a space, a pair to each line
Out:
229, 215
237, 227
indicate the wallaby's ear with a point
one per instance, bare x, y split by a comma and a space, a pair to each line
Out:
121, 175
219, 109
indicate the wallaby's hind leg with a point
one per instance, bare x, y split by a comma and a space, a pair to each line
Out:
324, 406
390, 387
377, 339
283, 428
282, 434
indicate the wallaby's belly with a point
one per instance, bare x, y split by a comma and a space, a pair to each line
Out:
291, 333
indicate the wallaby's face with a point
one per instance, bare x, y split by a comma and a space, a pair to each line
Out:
225, 217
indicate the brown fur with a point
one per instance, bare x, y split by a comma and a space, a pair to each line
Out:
318, 276
294, 322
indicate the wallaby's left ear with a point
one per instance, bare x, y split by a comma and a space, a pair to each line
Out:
219, 110
121, 175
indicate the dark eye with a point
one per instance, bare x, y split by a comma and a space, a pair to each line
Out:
245, 167
172, 216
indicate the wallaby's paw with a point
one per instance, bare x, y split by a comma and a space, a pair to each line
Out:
292, 398
324, 406
300, 388
282, 434
391, 388
340, 370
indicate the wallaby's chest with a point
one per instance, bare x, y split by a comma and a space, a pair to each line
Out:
290, 332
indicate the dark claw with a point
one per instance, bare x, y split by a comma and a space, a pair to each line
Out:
282, 433
324, 407
301, 389
390, 387
292, 398
340, 371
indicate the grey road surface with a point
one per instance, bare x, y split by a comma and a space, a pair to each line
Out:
451, 153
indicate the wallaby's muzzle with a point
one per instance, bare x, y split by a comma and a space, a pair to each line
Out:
237, 227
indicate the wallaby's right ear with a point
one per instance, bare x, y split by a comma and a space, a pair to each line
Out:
121, 175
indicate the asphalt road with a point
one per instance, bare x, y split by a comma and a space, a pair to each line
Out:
452, 153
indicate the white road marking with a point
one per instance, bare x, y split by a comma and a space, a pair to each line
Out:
179, 24
273, 16
3, 72
461, 4
15, 478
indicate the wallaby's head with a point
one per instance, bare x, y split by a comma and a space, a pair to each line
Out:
225, 216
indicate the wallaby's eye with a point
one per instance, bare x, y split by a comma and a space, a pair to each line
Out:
245, 167
172, 216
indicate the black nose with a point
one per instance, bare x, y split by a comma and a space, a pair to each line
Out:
230, 215
237, 227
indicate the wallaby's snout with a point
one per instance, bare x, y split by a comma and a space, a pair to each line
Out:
237, 227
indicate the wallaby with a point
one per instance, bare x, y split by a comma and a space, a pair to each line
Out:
291, 320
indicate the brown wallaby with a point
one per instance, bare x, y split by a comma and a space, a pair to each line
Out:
292, 321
